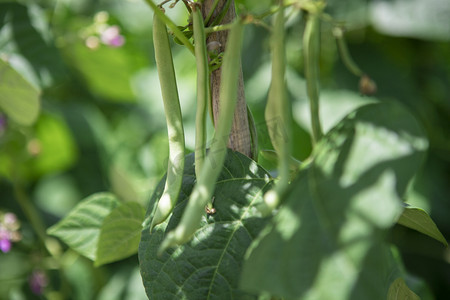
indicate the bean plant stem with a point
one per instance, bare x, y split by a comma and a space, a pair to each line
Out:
345, 55
31, 214
240, 139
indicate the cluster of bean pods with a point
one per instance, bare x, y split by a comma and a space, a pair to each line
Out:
207, 167
277, 113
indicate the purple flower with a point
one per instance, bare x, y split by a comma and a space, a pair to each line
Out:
38, 281
5, 239
5, 245
111, 37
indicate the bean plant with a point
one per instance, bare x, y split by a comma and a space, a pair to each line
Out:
219, 225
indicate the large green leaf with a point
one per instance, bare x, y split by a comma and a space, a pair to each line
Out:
417, 219
120, 233
208, 267
18, 98
298, 256
80, 229
326, 242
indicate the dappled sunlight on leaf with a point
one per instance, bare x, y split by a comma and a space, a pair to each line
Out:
207, 266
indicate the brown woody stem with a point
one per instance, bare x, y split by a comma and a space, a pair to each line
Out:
240, 139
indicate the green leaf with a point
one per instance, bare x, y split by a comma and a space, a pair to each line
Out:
18, 98
120, 233
298, 256
400, 291
417, 219
326, 241
208, 266
80, 229
369, 157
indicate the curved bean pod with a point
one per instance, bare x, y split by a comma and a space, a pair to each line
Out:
166, 73
213, 163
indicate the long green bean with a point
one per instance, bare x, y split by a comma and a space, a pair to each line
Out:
213, 163
278, 112
311, 45
164, 64
203, 93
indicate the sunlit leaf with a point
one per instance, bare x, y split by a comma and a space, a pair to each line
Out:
208, 266
18, 98
120, 233
417, 219
80, 229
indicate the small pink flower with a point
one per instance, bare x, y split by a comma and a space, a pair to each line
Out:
111, 37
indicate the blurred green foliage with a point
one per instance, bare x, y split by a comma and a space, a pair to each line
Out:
101, 125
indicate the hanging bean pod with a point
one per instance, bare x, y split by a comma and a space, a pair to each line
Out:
278, 113
169, 91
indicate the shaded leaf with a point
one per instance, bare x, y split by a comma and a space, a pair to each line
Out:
120, 233
327, 240
18, 98
400, 291
417, 219
80, 229
208, 266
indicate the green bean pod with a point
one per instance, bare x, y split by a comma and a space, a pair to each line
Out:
204, 188
311, 46
203, 93
169, 91
278, 113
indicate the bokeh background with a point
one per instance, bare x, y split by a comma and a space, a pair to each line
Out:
101, 125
